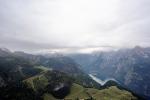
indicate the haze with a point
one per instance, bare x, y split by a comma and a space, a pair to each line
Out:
36, 25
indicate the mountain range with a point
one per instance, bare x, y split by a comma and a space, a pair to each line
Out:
37, 77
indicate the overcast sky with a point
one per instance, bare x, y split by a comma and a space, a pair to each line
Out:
32, 25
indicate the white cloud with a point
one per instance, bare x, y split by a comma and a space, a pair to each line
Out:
36, 24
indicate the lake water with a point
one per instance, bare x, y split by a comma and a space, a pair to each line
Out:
102, 82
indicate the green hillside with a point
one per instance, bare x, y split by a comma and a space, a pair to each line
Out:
37, 82
77, 91
81, 93
111, 93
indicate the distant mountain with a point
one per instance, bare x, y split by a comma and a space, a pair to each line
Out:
131, 67
84, 59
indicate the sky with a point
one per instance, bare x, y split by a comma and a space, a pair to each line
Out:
78, 25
